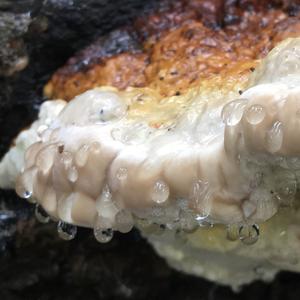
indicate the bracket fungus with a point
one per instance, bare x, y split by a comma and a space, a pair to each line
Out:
201, 174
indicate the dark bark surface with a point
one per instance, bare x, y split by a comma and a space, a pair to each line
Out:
34, 262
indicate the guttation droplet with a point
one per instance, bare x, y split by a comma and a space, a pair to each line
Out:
232, 112
124, 221
200, 196
103, 235
249, 234
274, 137
103, 231
66, 231
160, 192
255, 114
41, 214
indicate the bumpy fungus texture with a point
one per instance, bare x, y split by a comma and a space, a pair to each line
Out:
175, 48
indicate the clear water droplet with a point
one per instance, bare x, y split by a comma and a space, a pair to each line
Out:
160, 192
41, 214
232, 112
124, 221
66, 231
232, 232
103, 231
249, 234
255, 114
122, 173
274, 137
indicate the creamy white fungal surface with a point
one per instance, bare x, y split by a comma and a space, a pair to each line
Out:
211, 157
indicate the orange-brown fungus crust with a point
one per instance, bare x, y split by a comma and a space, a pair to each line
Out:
181, 44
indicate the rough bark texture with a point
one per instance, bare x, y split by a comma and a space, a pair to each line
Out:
34, 262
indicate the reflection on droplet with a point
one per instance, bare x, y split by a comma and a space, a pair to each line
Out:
41, 215
122, 173
23, 193
66, 231
274, 137
255, 114
232, 112
232, 232
249, 234
160, 192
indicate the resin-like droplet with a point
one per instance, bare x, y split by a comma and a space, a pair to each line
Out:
124, 221
41, 214
249, 234
103, 231
66, 231
232, 112
232, 232
255, 114
274, 137
105, 205
160, 192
